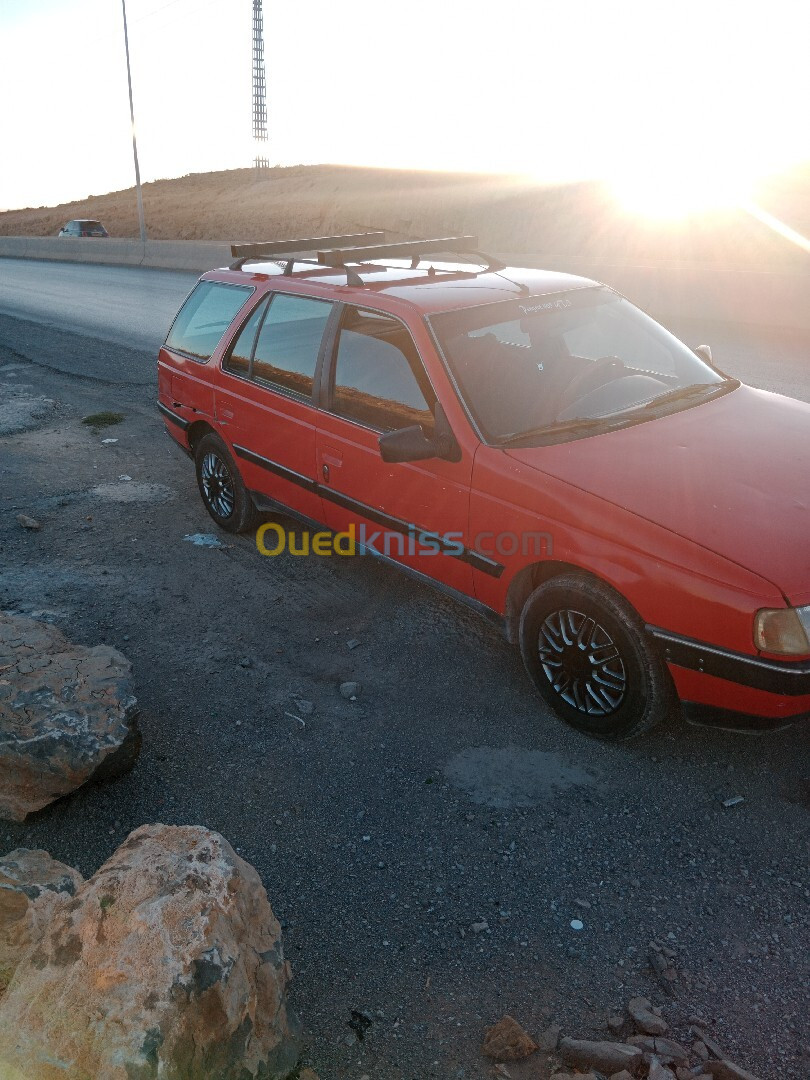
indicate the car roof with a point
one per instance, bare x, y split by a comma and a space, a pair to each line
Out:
443, 286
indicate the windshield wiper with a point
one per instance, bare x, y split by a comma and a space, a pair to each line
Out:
559, 427
682, 393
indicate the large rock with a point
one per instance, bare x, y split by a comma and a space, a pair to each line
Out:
608, 1057
66, 715
646, 1021
507, 1041
33, 887
167, 962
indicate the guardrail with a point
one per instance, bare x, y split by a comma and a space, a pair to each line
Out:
764, 298
161, 254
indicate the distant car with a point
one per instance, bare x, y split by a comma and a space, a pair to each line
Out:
529, 441
83, 227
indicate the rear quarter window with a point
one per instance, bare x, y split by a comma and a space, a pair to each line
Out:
204, 318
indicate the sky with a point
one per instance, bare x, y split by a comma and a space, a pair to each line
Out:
655, 96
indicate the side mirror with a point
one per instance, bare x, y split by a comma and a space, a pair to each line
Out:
407, 444
411, 443
704, 352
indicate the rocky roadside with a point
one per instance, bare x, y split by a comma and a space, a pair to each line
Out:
646, 1052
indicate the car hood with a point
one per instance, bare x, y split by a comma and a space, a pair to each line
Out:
731, 474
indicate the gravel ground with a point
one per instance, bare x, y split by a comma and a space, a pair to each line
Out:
444, 796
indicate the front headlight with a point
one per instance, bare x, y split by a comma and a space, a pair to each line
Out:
783, 630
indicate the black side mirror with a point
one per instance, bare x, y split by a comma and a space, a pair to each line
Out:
704, 352
411, 443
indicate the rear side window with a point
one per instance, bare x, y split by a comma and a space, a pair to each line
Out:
205, 317
379, 378
239, 355
289, 341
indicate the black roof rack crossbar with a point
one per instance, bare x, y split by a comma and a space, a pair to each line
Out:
413, 249
243, 252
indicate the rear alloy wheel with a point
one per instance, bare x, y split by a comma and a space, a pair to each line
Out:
587, 653
226, 498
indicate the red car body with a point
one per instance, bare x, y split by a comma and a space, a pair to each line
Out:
698, 519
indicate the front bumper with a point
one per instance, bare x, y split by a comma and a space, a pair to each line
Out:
715, 716
784, 677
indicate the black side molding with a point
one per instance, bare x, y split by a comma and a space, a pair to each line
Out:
379, 517
774, 676
181, 422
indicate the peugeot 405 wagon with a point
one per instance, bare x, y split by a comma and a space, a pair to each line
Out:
535, 444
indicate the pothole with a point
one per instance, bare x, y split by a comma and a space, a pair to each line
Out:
18, 413
509, 778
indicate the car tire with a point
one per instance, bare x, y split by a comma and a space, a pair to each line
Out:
587, 653
222, 489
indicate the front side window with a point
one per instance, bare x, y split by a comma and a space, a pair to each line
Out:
286, 351
379, 378
204, 318
585, 360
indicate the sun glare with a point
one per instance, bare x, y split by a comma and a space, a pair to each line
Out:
671, 193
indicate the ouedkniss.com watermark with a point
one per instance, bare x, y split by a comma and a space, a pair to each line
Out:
273, 539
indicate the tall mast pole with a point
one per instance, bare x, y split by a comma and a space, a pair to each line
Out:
141, 222
259, 90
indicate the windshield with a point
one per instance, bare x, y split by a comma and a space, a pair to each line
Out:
567, 359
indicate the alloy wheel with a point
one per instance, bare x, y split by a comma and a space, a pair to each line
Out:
581, 662
217, 484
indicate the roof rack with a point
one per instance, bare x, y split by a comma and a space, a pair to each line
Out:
348, 251
245, 252
413, 249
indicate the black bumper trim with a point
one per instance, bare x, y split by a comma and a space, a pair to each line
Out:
379, 517
181, 422
774, 676
713, 716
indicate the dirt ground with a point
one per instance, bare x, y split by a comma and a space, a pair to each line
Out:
444, 796
506, 213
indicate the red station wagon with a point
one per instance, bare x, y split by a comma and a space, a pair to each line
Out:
529, 441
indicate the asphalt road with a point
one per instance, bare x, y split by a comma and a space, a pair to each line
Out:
119, 304
444, 797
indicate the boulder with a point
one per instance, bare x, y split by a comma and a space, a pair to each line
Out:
167, 962
33, 886
507, 1041
607, 1057
66, 715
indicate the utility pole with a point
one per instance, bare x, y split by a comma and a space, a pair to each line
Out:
141, 223
259, 90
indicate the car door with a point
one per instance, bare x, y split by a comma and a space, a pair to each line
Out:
264, 401
375, 381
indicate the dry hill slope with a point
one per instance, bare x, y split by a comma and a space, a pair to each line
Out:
506, 213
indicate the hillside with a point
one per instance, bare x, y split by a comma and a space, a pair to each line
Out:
508, 214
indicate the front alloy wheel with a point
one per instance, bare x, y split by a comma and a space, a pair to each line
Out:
588, 654
581, 662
